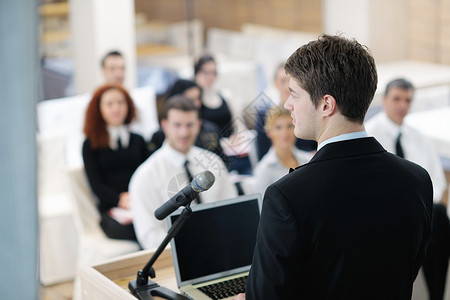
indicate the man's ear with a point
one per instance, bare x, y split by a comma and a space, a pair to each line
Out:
328, 105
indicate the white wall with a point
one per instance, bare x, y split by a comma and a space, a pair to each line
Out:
348, 17
379, 24
99, 26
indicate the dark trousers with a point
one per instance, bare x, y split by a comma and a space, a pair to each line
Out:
115, 230
436, 261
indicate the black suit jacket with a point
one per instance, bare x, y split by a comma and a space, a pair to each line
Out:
109, 171
353, 223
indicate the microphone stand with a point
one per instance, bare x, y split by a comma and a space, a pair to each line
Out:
145, 289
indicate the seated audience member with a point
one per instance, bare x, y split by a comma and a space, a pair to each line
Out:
282, 155
215, 109
399, 138
214, 106
111, 154
281, 82
405, 141
209, 135
113, 67
171, 168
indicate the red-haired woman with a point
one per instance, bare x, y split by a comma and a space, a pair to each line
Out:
111, 154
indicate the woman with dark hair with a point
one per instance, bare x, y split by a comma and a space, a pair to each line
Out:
209, 135
188, 88
214, 106
111, 154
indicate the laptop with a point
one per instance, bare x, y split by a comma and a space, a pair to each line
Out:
213, 251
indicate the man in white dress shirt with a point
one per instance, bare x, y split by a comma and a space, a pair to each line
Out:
164, 173
396, 137
388, 128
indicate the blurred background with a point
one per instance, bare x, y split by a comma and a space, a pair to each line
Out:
51, 60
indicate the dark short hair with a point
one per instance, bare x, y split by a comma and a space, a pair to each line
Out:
400, 83
180, 86
339, 67
178, 102
111, 53
201, 61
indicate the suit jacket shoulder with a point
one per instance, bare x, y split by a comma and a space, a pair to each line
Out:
332, 228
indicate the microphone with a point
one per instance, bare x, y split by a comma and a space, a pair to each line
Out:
201, 182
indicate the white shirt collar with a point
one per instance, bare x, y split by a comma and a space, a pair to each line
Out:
176, 156
393, 129
272, 156
343, 137
273, 159
118, 132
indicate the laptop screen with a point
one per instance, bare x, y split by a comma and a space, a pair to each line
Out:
218, 238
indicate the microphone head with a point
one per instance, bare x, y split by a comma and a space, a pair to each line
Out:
202, 181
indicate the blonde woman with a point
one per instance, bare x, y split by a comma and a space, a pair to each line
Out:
282, 155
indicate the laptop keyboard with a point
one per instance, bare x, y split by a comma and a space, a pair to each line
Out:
225, 289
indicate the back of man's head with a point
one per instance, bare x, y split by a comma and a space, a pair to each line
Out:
400, 83
336, 66
178, 102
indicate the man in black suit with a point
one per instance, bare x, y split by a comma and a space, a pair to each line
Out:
354, 222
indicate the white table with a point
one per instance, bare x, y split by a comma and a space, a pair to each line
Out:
436, 125
431, 81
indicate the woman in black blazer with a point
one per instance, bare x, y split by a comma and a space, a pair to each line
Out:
111, 154
214, 106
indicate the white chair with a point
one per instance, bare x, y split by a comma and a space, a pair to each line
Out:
57, 233
147, 120
93, 245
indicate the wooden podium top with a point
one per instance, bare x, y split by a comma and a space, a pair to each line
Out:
110, 279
